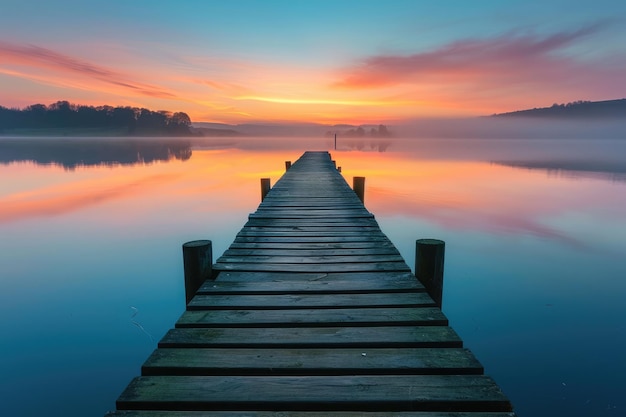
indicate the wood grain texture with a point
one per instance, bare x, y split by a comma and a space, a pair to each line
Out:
133, 413
427, 316
313, 337
319, 393
309, 301
281, 361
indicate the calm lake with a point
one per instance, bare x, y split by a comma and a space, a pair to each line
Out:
91, 262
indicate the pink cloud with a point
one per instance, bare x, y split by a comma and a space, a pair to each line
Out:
42, 58
480, 63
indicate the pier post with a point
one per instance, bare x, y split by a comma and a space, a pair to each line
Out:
429, 260
287, 165
198, 264
265, 187
358, 185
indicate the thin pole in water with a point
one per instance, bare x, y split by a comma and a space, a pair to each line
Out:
335, 141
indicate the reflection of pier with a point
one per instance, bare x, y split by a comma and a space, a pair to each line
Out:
313, 312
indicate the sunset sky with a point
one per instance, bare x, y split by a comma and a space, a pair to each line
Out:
313, 61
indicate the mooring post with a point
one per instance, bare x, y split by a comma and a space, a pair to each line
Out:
265, 187
429, 259
334, 163
339, 169
198, 264
358, 185
287, 165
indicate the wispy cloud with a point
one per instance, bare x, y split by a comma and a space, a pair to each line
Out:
37, 58
511, 57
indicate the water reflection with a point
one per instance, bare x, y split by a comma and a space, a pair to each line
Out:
534, 271
71, 153
608, 170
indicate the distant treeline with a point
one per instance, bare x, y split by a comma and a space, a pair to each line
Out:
576, 110
126, 120
361, 132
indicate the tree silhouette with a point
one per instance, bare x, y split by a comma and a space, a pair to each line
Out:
62, 114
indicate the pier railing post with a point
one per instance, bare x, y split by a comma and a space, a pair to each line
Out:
429, 260
198, 265
287, 165
265, 187
358, 185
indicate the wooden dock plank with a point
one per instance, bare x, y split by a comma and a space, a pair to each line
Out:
279, 285
403, 278
320, 244
319, 393
313, 337
378, 250
299, 259
369, 361
310, 301
133, 413
328, 267
427, 316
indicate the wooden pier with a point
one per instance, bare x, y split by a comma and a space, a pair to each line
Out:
313, 313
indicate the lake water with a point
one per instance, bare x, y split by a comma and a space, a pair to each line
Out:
91, 261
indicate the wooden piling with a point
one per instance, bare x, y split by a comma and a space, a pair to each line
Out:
429, 260
265, 187
358, 185
287, 165
198, 263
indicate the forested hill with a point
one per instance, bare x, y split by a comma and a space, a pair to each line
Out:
576, 110
63, 116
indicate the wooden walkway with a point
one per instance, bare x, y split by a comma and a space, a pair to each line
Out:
314, 313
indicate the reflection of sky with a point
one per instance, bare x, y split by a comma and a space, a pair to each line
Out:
533, 265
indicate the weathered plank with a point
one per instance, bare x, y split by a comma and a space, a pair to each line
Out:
300, 259
308, 301
367, 361
357, 277
282, 287
313, 337
291, 244
319, 393
327, 222
319, 267
268, 232
319, 214
378, 250
427, 316
133, 413
312, 239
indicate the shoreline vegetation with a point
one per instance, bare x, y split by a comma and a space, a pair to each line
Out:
65, 119
599, 119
